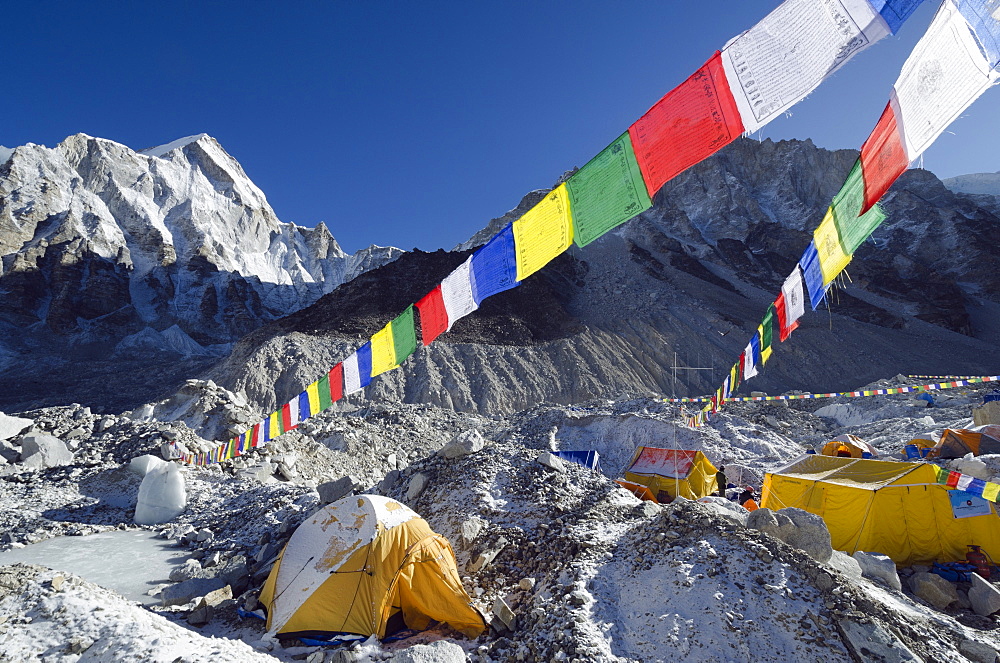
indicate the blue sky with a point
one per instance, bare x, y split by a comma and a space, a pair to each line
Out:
410, 124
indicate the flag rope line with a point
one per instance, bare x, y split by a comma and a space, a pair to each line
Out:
736, 92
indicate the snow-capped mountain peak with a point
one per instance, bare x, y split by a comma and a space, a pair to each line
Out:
977, 183
161, 150
94, 233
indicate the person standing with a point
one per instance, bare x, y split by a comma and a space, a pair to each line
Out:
720, 480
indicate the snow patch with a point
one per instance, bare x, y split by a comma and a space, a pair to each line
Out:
978, 183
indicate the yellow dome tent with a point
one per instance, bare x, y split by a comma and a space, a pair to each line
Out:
675, 472
850, 446
897, 509
360, 563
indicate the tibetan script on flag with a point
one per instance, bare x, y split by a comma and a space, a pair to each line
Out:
606, 192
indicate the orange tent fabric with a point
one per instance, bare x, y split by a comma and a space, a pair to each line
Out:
637, 489
958, 442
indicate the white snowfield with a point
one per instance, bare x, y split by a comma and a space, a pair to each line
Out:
591, 573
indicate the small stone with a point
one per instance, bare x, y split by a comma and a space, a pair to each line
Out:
504, 614
200, 616
934, 589
527, 584
331, 491
551, 461
984, 596
57, 582
877, 566
980, 652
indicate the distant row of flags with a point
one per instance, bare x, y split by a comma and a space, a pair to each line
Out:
956, 60
755, 78
850, 394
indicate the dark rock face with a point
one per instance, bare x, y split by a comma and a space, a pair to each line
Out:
693, 275
690, 278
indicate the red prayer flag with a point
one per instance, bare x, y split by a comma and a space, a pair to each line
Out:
784, 329
433, 315
286, 418
691, 122
953, 478
336, 382
883, 158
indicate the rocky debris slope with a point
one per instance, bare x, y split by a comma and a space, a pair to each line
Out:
568, 565
165, 253
692, 276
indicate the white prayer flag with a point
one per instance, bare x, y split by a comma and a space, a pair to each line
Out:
779, 61
749, 370
456, 291
352, 374
944, 74
795, 301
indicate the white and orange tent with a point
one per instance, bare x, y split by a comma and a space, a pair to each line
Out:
366, 565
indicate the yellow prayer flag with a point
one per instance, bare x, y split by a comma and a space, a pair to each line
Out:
832, 258
274, 423
312, 392
990, 491
383, 351
545, 231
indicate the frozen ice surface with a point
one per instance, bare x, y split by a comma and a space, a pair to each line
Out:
131, 563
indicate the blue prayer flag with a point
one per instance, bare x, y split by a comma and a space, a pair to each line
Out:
365, 363
984, 18
895, 12
494, 266
812, 275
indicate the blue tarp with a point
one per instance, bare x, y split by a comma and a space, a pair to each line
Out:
589, 459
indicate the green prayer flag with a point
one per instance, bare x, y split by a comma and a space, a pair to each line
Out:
852, 229
767, 325
404, 335
323, 386
606, 192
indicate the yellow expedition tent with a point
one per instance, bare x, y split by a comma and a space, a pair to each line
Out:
897, 509
675, 472
849, 446
366, 565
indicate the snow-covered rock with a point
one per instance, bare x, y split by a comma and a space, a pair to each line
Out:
141, 465
440, 651
162, 496
984, 596
13, 426
467, 442
877, 566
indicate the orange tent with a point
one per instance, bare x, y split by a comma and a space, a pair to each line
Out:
637, 489
958, 442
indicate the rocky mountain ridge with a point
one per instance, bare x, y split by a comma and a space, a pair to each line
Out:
693, 275
114, 254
